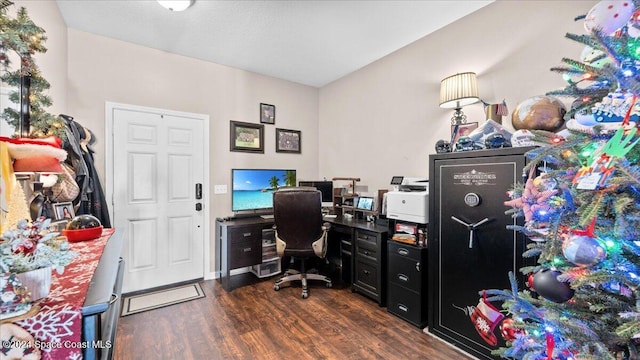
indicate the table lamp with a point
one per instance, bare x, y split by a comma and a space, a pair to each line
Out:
457, 91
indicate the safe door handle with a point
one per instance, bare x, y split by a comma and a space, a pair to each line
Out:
471, 227
418, 266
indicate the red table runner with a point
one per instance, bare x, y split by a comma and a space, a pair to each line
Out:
57, 327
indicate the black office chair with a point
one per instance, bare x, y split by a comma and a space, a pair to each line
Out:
300, 232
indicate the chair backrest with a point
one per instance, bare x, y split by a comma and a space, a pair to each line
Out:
297, 215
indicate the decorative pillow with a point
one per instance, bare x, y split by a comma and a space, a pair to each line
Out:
36, 155
37, 164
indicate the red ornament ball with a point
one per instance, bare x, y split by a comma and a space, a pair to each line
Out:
508, 331
27, 247
530, 281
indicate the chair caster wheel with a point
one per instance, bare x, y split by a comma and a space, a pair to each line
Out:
305, 294
276, 287
329, 285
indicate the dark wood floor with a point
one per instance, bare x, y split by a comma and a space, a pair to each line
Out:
256, 322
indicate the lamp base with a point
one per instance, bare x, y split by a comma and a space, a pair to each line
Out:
458, 117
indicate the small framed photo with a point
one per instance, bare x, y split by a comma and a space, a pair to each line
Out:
460, 130
246, 137
365, 203
267, 113
63, 211
288, 141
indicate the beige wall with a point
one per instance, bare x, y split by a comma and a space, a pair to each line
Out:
384, 119
53, 63
103, 69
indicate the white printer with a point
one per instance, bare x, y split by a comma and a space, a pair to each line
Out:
410, 202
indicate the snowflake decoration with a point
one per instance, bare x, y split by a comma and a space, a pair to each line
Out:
482, 325
63, 293
52, 325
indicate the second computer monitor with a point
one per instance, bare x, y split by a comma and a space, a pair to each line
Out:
325, 187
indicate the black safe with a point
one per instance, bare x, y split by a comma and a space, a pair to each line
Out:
470, 248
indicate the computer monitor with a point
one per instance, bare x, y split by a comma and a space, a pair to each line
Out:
325, 187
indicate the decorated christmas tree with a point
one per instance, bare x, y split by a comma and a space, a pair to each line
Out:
20, 35
581, 206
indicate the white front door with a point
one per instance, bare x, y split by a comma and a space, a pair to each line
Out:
158, 162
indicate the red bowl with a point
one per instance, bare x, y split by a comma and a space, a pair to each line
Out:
82, 234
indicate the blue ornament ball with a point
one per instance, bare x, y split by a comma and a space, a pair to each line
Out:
583, 250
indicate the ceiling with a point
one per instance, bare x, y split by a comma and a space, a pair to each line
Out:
307, 42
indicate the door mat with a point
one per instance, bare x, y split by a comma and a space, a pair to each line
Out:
153, 300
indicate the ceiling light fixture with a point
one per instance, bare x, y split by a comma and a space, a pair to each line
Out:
176, 5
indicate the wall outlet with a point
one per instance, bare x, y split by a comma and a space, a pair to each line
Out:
220, 189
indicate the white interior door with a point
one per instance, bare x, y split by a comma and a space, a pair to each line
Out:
158, 160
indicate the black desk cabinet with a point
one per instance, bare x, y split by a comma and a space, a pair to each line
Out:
239, 245
370, 264
470, 186
363, 247
407, 274
341, 256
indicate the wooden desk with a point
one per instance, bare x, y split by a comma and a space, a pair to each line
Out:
361, 251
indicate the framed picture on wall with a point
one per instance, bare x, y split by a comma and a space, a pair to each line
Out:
267, 113
246, 137
288, 141
460, 130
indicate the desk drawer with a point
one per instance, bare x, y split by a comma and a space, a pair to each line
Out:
406, 272
366, 277
404, 251
245, 233
366, 250
407, 305
367, 237
245, 253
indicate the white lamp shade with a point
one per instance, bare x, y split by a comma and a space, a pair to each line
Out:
459, 90
176, 5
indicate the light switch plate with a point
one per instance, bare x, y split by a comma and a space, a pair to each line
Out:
220, 189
